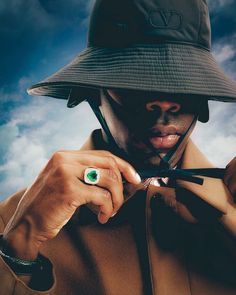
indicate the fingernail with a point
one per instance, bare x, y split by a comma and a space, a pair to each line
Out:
155, 182
138, 178
113, 214
102, 218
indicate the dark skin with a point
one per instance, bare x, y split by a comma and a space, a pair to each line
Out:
140, 116
59, 190
230, 177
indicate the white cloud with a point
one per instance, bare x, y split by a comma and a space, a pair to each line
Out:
19, 93
224, 53
224, 50
34, 132
7, 133
217, 138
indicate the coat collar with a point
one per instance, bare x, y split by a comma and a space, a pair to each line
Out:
213, 190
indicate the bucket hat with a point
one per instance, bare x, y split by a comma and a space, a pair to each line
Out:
150, 45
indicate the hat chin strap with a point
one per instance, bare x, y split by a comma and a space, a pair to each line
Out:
112, 143
165, 169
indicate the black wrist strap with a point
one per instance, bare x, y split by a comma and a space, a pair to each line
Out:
26, 267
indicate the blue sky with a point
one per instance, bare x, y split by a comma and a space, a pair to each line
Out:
40, 36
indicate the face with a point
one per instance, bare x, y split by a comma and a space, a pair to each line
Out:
144, 123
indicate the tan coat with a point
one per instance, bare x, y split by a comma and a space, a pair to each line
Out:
125, 257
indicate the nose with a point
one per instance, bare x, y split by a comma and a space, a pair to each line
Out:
163, 106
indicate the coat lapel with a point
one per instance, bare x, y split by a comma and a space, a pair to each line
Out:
213, 191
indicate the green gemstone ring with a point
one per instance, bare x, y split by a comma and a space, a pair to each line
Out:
91, 176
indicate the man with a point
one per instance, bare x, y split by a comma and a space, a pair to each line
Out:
121, 215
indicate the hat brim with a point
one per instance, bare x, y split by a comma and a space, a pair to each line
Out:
167, 68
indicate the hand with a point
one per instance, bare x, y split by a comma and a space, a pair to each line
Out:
59, 190
230, 177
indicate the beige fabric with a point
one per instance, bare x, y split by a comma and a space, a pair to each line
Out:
90, 258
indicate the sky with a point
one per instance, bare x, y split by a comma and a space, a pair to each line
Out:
38, 37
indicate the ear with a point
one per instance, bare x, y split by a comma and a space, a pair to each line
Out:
204, 112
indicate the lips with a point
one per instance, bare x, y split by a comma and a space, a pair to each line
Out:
164, 141
161, 138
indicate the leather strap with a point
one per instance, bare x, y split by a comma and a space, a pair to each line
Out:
25, 267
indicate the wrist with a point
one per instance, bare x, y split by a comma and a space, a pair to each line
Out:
26, 267
18, 243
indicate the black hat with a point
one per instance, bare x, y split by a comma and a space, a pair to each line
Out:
151, 45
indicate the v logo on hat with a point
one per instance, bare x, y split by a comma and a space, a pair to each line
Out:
165, 19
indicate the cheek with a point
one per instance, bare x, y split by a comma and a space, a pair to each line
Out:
185, 121
116, 124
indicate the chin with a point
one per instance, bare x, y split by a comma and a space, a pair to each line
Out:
142, 156
141, 159
152, 161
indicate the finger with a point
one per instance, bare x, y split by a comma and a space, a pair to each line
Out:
75, 193
99, 197
127, 170
79, 162
110, 180
103, 159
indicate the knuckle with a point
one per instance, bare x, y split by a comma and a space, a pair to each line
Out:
106, 194
129, 167
112, 175
111, 161
106, 153
64, 188
117, 204
60, 171
67, 201
72, 204
107, 210
57, 157
68, 187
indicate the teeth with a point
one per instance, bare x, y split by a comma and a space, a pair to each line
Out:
167, 135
